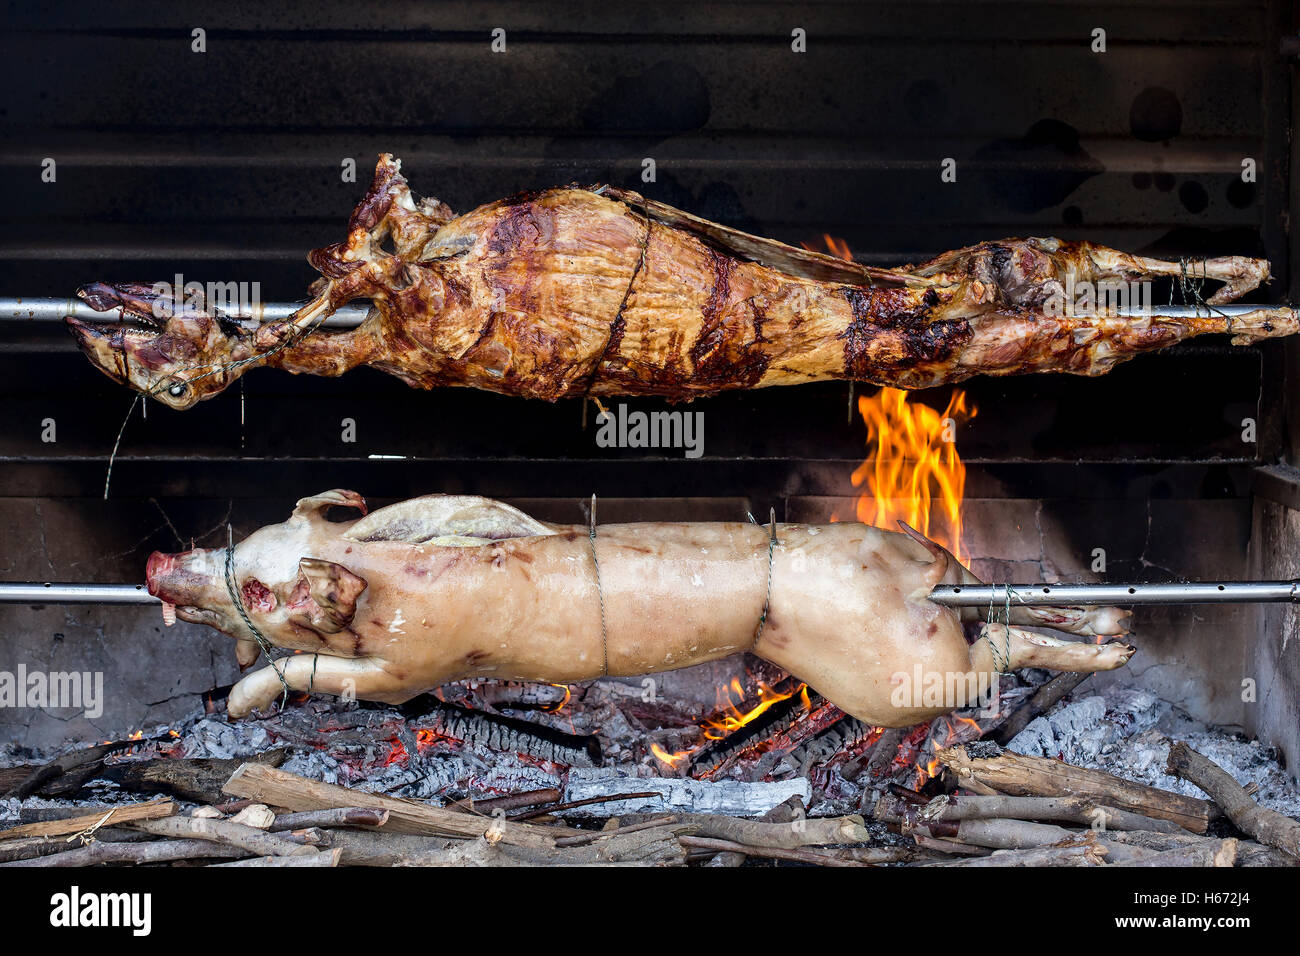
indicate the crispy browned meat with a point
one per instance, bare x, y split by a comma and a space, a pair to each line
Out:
570, 292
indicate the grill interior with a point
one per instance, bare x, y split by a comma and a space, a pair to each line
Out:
226, 166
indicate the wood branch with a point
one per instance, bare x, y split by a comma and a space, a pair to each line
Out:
279, 788
781, 813
787, 836
512, 801
156, 851
998, 834
613, 828
648, 846
1076, 854
794, 854
1249, 853
947, 846
153, 810
1208, 853
1039, 703
1267, 826
224, 832
584, 802
1062, 809
335, 817
1019, 775
326, 858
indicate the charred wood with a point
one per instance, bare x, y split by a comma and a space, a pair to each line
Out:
1040, 702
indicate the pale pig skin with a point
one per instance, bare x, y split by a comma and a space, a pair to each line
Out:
512, 598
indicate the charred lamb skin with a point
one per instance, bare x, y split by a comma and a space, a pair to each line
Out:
448, 587
575, 291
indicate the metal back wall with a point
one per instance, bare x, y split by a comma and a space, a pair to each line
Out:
226, 166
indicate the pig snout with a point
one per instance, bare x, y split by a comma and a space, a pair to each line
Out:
183, 579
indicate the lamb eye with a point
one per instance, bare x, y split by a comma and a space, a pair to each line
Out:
177, 389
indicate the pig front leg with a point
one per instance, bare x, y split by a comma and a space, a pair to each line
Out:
340, 676
1008, 648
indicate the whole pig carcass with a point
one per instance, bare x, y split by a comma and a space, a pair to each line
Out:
448, 587
571, 292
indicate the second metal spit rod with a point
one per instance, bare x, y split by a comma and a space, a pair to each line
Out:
949, 595
352, 314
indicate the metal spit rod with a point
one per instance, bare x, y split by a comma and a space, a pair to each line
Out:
1074, 595
351, 315
49, 593
54, 310
949, 595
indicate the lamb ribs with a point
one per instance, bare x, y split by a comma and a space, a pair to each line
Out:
573, 291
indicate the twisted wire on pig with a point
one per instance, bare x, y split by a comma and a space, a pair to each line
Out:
600, 591
767, 600
258, 636
1002, 661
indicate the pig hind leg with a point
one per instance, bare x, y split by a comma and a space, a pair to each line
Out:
1007, 648
1083, 621
351, 677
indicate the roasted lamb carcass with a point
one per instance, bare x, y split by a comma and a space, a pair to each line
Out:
447, 587
572, 292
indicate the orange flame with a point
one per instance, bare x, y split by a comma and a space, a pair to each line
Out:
671, 760
732, 719
914, 472
915, 460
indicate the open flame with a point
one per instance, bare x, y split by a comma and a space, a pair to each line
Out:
732, 719
729, 717
913, 472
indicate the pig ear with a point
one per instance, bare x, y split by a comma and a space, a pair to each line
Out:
335, 590
317, 505
942, 559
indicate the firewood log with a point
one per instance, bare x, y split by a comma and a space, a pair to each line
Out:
1062, 809
328, 858
279, 788
1019, 775
781, 813
337, 817
1267, 826
224, 832
131, 812
156, 851
1075, 854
